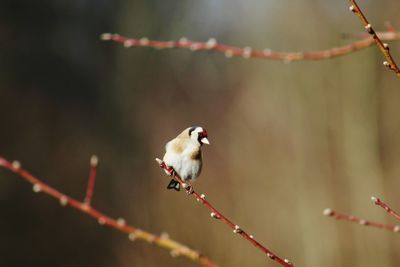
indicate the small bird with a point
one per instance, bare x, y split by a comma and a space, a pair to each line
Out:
183, 155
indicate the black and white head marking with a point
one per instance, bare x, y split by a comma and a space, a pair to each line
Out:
199, 134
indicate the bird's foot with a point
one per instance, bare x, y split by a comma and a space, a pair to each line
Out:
169, 171
189, 189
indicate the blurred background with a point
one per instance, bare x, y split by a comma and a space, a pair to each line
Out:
287, 140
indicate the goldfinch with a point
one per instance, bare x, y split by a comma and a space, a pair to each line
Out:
183, 155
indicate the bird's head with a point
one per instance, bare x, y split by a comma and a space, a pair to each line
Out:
198, 134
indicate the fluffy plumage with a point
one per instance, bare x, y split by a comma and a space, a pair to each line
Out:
183, 154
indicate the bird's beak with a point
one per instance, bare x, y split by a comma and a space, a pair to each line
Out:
204, 140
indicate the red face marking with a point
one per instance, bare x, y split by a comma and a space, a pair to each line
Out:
203, 134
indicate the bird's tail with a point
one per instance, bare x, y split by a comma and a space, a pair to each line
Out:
173, 184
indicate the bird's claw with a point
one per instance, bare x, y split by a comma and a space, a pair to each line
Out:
189, 190
170, 171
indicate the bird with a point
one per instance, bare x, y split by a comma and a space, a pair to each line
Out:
183, 156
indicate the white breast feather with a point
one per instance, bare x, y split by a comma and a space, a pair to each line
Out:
183, 164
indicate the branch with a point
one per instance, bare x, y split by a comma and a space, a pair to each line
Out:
379, 202
94, 161
175, 248
247, 52
219, 216
384, 47
350, 218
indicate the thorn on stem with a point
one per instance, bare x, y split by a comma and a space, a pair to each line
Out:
128, 43
101, 221
286, 261
16, 164
132, 236
121, 222
211, 43
228, 53
214, 215
352, 8
183, 41
247, 52
386, 46
106, 36
237, 229
164, 235
36, 188
327, 212
202, 196
369, 29
363, 222
143, 41
94, 161
267, 52
63, 201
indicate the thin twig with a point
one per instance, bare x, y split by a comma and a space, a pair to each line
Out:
175, 248
219, 216
247, 52
94, 161
350, 218
382, 204
384, 47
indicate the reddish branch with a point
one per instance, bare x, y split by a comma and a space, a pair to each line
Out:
384, 47
350, 218
247, 52
175, 248
92, 178
219, 216
379, 202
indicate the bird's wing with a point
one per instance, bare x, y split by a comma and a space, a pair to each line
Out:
175, 146
196, 154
